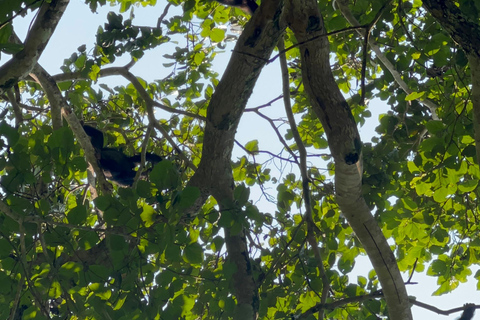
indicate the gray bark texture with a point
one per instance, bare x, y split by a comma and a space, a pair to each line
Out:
305, 20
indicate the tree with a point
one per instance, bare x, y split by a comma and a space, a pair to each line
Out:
189, 242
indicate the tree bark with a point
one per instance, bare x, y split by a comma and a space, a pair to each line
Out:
20, 65
214, 173
305, 20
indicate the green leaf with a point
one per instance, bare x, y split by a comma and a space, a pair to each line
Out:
55, 290
217, 244
77, 215
437, 268
468, 186
241, 194
217, 35
5, 248
252, 146
414, 96
11, 48
148, 215
435, 126
441, 194
144, 189
193, 253
187, 197
102, 202
165, 175
199, 57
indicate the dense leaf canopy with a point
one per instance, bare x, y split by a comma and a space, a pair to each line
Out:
189, 240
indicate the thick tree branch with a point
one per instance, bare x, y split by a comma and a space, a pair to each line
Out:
42, 29
456, 24
214, 174
334, 113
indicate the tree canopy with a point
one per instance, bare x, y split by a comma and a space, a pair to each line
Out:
188, 240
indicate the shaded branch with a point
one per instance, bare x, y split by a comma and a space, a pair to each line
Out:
54, 95
14, 101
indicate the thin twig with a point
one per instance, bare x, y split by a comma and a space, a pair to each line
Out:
305, 179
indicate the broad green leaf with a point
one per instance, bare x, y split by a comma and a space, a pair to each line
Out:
414, 96
217, 34
193, 253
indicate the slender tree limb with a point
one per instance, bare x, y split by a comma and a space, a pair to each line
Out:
86, 145
311, 227
5, 209
440, 311
276, 156
339, 303
163, 15
54, 95
20, 12
18, 295
61, 108
298, 44
384, 60
143, 155
124, 71
17, 111
149, 104
279, 135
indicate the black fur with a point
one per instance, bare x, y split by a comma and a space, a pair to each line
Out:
117, 166
468, 312
248, 6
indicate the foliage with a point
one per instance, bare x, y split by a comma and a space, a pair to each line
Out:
137, 254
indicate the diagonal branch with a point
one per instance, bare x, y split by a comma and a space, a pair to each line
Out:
305, 179
214, 174
384, 60
20, 65
334, 113
60, 108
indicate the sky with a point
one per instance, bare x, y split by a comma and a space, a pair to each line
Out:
79, 25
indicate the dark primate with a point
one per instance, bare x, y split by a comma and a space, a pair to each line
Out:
117, 166
468, 312
247, 6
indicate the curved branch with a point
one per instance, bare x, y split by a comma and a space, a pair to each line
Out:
54, 95
124, 72
13, 97
23, 62
305, 179
214, 174
334, 113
